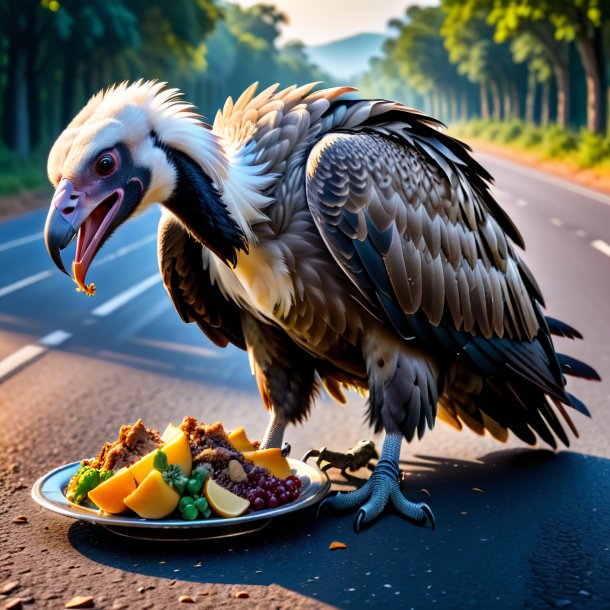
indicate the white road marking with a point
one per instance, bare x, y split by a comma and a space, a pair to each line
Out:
20, 242
57, 337
28, 353
125, 250
557, 222
180, 348
602, 246
26, 281
544, 177
124, 297
43, 275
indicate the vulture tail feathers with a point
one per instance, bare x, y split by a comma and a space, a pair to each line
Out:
576, 368
561, 329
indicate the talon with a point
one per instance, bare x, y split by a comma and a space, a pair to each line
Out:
323, 506
429, 516
286, 448
360, 519
310, 453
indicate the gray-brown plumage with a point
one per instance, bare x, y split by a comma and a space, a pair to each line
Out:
348, 242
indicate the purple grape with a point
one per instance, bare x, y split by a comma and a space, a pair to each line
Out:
272, 502
284, 499
258, 503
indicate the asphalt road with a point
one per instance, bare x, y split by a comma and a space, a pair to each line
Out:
73, 369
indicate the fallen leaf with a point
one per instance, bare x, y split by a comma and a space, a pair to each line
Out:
478, 490
333, 546
242, 595
80, 601
9, 587
13, 604
20, 519
186, 599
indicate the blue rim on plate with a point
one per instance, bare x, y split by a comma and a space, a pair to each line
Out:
48, 491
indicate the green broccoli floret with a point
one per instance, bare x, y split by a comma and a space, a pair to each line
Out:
86, 479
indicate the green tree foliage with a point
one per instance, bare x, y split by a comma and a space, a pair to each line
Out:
54, 54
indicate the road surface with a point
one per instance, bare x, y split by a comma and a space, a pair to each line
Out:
73, 369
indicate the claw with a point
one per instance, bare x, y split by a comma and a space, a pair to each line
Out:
360, 519
310, 453
429, 516
286, 448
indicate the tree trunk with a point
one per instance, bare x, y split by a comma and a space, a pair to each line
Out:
590, 51
515, 102
69, 87
545, 103
464, 110
484, 100
495, 96
20, 109
562, 78
436, 107
530, 99
454, 112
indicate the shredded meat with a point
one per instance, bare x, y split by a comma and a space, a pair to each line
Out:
134, 442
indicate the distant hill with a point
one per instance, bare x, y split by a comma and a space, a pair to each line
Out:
347, 57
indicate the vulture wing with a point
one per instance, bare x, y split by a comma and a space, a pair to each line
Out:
184, 266
407, 214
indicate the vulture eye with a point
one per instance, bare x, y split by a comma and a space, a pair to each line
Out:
105, 165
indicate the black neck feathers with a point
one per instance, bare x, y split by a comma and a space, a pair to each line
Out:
198, 204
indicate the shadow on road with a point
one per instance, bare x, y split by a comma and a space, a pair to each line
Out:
535, 534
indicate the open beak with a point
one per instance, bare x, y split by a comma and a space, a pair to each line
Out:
73, 212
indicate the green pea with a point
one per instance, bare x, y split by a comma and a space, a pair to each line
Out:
189, 512
185, 501
194, 486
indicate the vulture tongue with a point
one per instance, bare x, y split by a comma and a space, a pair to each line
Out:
90, 237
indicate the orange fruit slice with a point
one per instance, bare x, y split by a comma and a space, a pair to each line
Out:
153, 498
109, 495
177, 450
240, 440
222, 501
272, 460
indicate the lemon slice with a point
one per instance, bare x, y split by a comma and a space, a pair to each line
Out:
222, 501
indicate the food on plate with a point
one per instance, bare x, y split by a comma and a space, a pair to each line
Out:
177, 451
109, 495
272, 460
223, 502
153, 498
194, 471
239, 439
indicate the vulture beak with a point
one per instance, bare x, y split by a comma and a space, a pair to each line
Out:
74, 212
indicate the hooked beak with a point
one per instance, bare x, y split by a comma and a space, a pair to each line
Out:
72, 212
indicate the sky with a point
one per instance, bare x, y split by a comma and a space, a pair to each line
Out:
319, 21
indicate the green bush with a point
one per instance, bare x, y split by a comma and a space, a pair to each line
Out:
592, 149
531, 135
18, 175
558, 141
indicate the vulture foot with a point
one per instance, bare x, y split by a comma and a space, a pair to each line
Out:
383, 485
274, 434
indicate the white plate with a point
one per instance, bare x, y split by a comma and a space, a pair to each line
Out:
49, 490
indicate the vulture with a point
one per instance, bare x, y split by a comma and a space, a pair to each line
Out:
344, 243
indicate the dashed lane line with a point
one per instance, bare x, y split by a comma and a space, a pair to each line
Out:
25, 282
20, 242
110, 306
43, 275
602, 246
29, 353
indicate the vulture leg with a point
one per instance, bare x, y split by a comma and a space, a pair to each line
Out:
383, 485
285, 374
274, 434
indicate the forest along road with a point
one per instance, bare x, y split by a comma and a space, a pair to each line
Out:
73, 369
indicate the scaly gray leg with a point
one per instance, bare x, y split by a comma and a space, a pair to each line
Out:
384, 484
274, 434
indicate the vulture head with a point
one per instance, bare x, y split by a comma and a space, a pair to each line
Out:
129, 147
